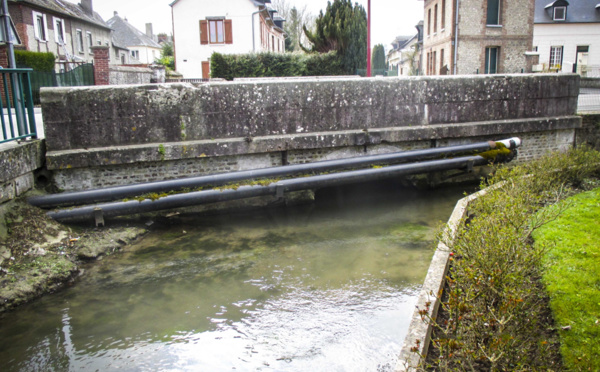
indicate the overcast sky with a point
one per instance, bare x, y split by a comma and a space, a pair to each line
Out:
390, 18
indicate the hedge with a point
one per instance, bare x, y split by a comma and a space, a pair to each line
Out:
37, 61
274, 65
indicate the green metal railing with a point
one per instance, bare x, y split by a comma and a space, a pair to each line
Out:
16, 104
82, 75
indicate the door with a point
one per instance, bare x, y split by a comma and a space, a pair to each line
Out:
205, 70
581, 60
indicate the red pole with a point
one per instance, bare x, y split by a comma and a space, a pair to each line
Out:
369, 38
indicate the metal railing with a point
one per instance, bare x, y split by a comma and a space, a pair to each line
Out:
16, 104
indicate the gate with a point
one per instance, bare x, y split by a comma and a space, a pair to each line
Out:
79, 76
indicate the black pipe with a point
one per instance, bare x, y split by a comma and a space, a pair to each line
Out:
278, 188
121, 192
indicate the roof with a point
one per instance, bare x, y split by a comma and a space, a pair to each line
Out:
125, 35
66, 8
256, 2
578, 11
401, 41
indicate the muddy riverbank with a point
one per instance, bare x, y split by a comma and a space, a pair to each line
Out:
39, 256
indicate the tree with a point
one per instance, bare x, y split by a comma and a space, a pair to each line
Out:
296, 18
343, 28
166, 56
378, 59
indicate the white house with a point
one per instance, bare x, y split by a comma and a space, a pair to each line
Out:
142, 47
201, 27
567, 35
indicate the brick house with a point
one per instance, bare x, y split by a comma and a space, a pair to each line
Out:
480, 36
65, 29
201, 27
567, 35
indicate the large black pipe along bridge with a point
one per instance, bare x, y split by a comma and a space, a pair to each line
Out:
98, 204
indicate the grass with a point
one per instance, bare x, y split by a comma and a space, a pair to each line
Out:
572, 279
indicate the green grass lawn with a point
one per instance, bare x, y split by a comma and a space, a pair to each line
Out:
572, 277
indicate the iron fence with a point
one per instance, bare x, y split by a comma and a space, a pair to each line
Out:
18, 118
589, 100
81, 75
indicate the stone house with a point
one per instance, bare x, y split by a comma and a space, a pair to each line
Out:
68, 30
141, 47
201, 27
567, 36
478, 36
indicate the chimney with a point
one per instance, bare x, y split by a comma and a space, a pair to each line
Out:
149, 32
116, 13
88, 7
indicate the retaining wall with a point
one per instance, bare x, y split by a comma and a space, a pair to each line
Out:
101, 136
18, 161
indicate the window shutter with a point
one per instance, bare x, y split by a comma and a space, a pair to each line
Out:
228, 32
203, 32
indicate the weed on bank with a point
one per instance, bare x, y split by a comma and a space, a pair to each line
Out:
494, 313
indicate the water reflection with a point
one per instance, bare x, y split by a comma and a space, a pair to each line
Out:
296, 289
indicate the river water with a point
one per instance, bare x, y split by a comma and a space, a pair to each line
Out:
329, 286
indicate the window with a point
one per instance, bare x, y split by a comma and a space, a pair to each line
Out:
90, 41
560, 13
443, 14
493, 12
443, 23
429, 23
435, 13
59, 30
491, 60
40, 30
441, 60
79, 36
216, 31
135, 54
556, 54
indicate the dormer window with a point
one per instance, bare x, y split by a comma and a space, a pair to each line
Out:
557, 10
560, 13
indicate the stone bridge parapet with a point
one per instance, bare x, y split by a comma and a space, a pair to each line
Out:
103, 136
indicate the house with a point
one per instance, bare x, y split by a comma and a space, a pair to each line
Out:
405, 55
143, 49
68, 30
480, 36
567, 35
201, 27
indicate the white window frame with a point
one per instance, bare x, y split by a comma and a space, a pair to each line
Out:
79, 40
90, 39
57, 33
36, 31
556, 55
564, 13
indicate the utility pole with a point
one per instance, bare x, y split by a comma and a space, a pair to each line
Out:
368, 38
14, 78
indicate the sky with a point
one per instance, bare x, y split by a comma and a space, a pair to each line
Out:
390, 18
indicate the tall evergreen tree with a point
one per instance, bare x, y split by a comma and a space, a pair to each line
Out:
378, 59
343, 28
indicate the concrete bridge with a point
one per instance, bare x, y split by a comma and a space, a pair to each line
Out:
106, 136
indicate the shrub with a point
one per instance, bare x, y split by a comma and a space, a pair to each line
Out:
494, 312
230, 66
35, 60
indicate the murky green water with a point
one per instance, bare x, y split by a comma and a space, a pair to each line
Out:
324, 287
